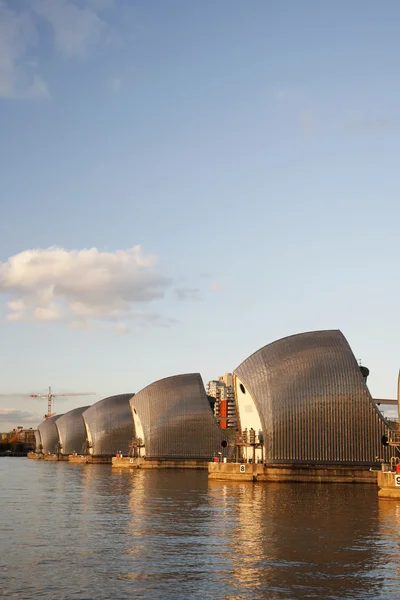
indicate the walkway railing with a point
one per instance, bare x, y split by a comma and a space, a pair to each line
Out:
394, 438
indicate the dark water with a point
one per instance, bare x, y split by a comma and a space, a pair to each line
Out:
86, 531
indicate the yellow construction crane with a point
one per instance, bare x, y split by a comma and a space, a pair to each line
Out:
50, 397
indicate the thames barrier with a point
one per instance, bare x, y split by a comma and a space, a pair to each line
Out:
300, 410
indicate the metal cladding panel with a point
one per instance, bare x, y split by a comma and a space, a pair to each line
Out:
110, 425
177, 419
38, 441
49, 434
313, 402
71, 431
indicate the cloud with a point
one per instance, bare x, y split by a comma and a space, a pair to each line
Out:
187, 293
155, 319
83, 288
101, 4
11, 415
373, 125
19, 76
217, 286
76, 28
121, 328
280, 94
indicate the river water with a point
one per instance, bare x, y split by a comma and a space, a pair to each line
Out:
90, 532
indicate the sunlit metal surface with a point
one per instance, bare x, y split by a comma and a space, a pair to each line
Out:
71, 431
49, 434
313, 402
38, 441
177, 419
109, 426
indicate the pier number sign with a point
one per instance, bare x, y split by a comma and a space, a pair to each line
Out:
243, 470
397, 480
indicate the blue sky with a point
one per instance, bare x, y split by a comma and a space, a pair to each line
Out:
184, 182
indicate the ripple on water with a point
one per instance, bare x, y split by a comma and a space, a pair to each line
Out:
86, 532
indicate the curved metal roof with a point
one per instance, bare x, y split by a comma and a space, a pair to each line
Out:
49, 434
177, 419
71, 431
109, 425
313, 402
38, 441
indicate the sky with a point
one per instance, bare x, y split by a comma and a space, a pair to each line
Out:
182, 183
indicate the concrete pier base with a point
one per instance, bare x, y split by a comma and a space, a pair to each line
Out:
141, 463
35, 456
291, 473
55, 457
48, 457
86, 459
387, 485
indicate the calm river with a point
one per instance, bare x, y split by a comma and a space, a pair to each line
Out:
90, 532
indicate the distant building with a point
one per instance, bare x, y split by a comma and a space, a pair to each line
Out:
23, 436
224, 406
19, 439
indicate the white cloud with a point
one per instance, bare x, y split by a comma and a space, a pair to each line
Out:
83, 288
185, 293
121, 328
18, 75
76, 29
101, 4
217, 286
12, 415
375, 125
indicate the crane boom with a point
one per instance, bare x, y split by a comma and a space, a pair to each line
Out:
50, 397
75, 394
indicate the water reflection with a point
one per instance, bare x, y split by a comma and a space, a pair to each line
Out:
87, 532
171, 533
302, 540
